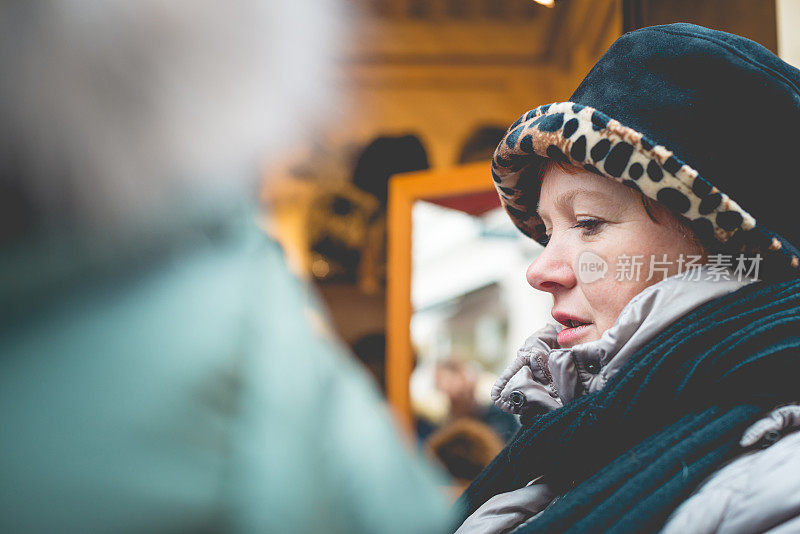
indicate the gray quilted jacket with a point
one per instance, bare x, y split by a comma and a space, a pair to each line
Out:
759, 491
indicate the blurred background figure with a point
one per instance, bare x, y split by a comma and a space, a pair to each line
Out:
464, 447
160, 369
457, 379
472, 431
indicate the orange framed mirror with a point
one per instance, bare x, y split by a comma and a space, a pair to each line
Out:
466, 188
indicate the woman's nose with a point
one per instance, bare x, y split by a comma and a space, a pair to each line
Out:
551, 271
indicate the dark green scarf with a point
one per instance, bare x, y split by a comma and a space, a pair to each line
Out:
628, 455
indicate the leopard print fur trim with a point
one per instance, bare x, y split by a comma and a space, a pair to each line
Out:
585, 137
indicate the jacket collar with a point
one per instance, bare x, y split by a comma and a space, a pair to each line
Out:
544, 375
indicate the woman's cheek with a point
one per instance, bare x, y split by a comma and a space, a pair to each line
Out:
600, 297
608, 297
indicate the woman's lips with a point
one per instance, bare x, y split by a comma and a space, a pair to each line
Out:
568, 336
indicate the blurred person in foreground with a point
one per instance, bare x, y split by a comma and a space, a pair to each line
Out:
157, 370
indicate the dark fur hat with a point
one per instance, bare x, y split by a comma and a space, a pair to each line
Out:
701, 120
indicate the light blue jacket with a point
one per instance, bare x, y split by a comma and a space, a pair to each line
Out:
175, 384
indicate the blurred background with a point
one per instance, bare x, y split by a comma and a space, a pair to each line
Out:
424, 278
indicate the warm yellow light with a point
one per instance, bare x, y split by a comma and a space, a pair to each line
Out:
546, 3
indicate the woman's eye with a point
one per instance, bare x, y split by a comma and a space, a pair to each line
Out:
590, 226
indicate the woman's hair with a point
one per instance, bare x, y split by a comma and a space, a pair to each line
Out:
651, 206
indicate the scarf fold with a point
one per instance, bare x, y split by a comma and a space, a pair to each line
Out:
625, 456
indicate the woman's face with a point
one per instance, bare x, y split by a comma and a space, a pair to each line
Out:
591, 221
